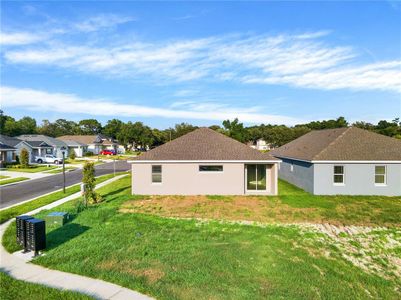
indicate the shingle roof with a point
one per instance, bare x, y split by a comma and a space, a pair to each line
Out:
342, 144
44, 138
37, 144
84, 139
72, 143
5, 147
9, 141
207, 145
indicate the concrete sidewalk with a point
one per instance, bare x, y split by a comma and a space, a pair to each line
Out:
16, 267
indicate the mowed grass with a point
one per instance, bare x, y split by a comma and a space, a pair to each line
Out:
12, 289
14, 211
292, 205
60, 170
12, 180
187, 259
32, 169
4, 176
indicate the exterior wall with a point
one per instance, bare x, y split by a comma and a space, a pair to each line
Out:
95, 149
185, 179
79, 151
359, 180
301, 176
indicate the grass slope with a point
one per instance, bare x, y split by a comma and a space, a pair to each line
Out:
186, 259
12, 180
12, 289
292, 205
12, 212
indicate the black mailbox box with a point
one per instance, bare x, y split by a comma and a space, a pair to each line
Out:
21, 229
35, 234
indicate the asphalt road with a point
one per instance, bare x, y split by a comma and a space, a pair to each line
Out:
22, 191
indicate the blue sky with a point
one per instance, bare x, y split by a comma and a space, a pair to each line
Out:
201, 62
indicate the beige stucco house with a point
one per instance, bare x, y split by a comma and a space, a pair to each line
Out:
204, 162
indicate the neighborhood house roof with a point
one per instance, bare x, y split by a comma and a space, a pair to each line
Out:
85, 139
9, 141
44, 138
71, 143
204, 144
38, 144
342, 144
4, 147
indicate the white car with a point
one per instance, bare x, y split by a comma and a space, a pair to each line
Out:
48, 159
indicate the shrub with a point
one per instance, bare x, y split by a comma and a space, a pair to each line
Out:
73, 155
24, 159
88, 153
89, 180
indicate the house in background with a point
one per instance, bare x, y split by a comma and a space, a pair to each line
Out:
204, 162
34, 148
58, 147
7, 154
77, 147
261, 145
94, 143
346, 161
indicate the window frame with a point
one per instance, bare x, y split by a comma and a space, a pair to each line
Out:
338, 174
156, 173
210, 171
384, 175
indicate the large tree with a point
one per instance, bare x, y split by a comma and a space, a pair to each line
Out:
90, 126
112, 128
235, 130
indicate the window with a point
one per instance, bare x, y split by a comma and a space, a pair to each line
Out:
256, 177
339, 174
380, 175
210, 168
49, 151
156, 174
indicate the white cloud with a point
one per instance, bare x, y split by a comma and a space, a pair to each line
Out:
19, 38
102, 21
31, 99
301, 60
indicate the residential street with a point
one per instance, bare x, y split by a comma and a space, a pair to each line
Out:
14, 194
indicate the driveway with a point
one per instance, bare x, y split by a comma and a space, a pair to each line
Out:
13, 194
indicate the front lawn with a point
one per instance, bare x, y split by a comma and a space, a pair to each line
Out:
31, 168
4, 177
12, 180
60, 170
12, 289
189, 259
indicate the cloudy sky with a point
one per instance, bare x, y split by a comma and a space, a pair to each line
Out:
201, 62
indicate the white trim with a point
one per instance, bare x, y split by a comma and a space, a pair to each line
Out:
204, 161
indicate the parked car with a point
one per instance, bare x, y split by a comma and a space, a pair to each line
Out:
48, 159
107, 152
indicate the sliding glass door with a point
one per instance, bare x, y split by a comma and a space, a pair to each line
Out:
256, 177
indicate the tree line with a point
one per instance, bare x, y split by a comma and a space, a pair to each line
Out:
137, 133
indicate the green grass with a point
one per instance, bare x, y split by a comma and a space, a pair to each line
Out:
67, 169
12, 180
4, 177
12, 289
39, 202
32, 169
186, 259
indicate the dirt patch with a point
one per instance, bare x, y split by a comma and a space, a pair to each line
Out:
249, 208
152, 274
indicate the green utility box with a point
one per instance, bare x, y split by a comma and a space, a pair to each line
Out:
57, 218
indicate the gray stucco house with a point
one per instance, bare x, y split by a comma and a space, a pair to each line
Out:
56, 145
34, 148
204, 162
346, 161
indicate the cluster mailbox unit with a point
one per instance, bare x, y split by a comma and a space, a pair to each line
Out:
31, 233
